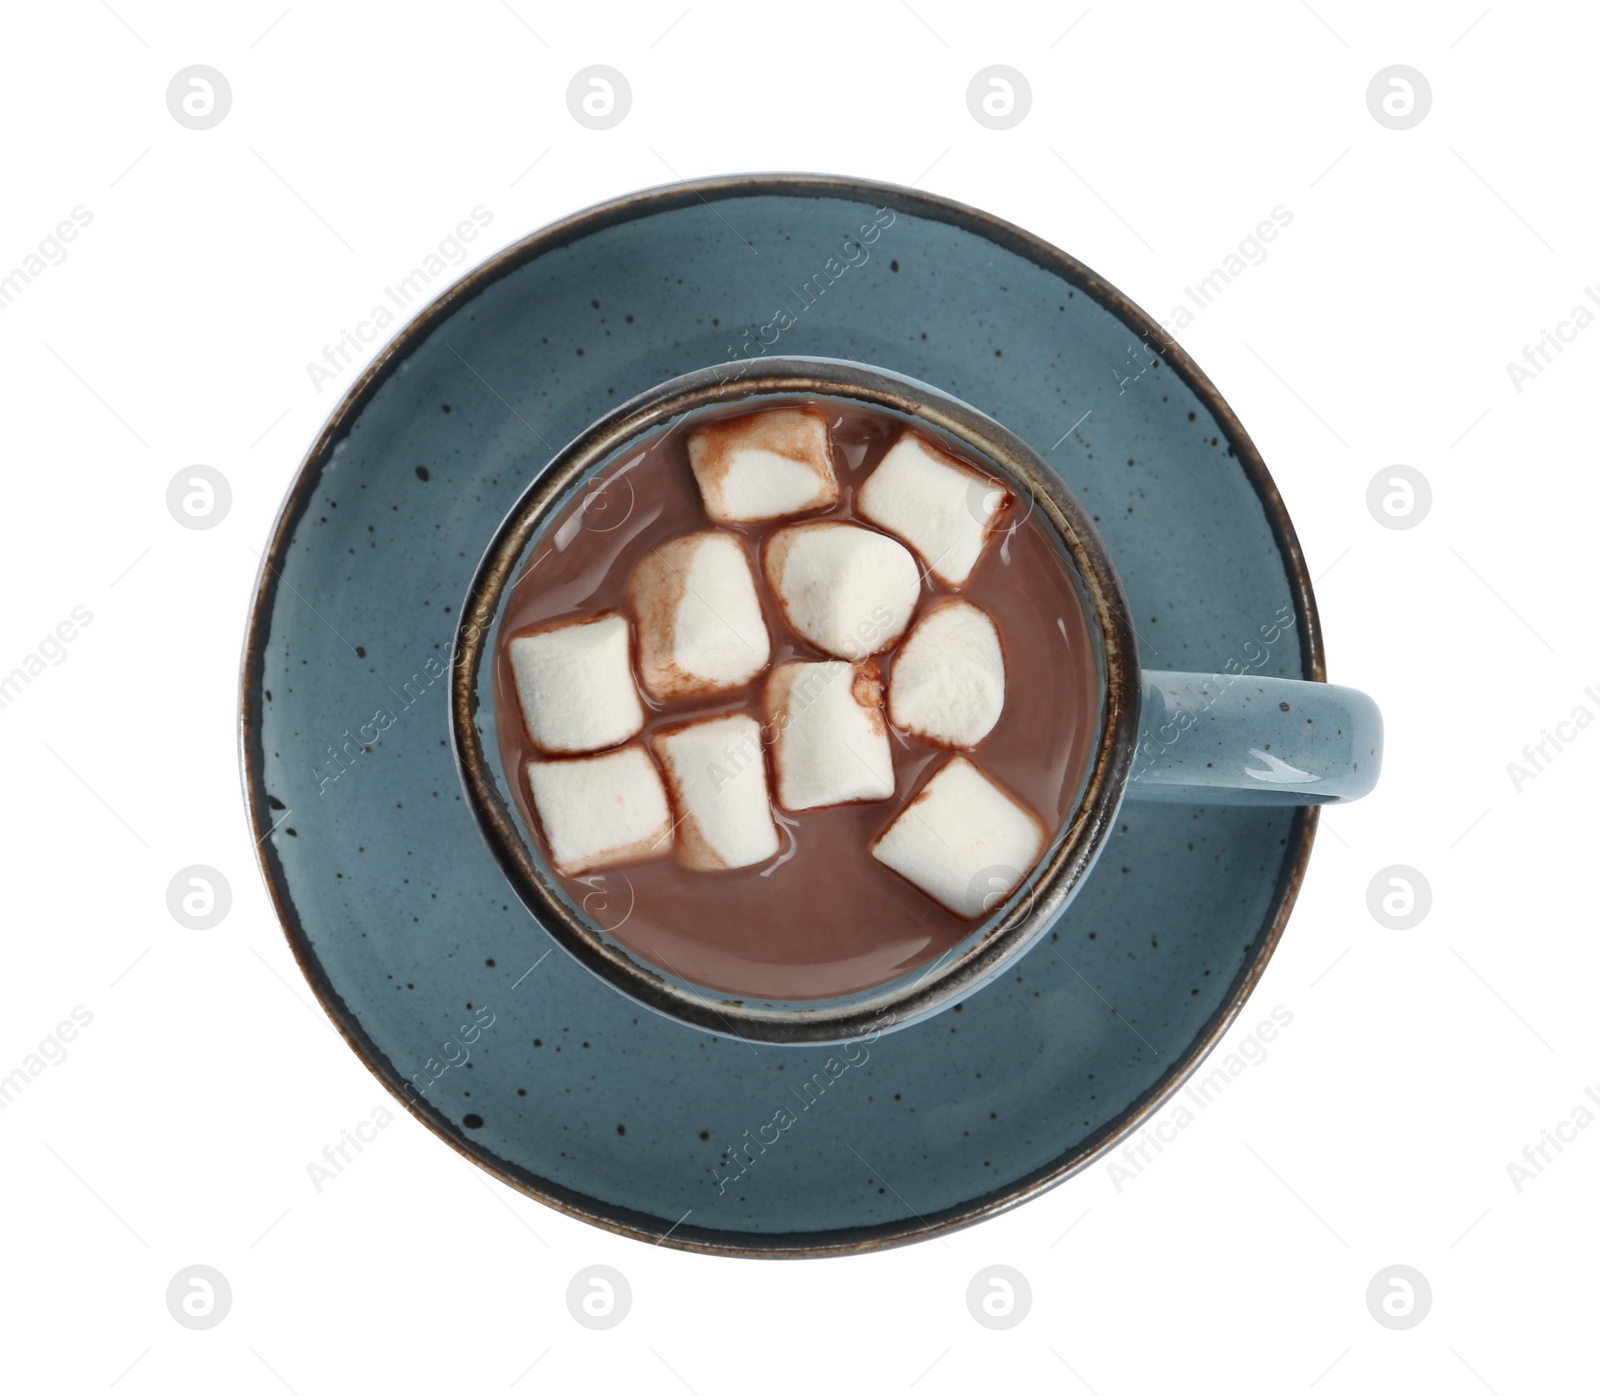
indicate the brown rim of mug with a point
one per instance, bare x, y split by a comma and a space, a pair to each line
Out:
626, 1221
1051, 880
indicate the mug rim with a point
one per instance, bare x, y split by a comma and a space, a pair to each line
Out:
1075, 843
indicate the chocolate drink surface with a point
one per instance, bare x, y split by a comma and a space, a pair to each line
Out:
822, 916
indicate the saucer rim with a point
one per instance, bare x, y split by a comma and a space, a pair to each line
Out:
622, 1220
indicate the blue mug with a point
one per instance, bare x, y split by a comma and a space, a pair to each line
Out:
1231, 737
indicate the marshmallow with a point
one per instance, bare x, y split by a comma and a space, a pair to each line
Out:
700, 625
843, 588
831, 744
940, 506
575, 683
600, 810
719, 786
963, 841
767, 465
949, 679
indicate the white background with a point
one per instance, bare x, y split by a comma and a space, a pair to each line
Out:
1419, 1063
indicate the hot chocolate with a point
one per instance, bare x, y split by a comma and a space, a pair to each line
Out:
791, 697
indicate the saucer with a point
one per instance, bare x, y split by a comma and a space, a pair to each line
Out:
399, 916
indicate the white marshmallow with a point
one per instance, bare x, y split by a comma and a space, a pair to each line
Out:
831, 743
700, 625
940, 506
575, 682
843, 588
767, 465
719, 786
601, 810
963, 841
949, 679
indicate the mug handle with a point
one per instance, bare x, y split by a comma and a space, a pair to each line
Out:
1248, 739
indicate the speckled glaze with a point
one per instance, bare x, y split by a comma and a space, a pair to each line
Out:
1240, 736
402, 922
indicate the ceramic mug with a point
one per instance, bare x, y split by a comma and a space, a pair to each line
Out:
1232, 736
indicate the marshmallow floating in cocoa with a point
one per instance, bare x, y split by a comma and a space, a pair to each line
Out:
940, 506
600, 810
949, 678
830, 741
767, 465
719, 786
963, 840
701, 630
576, 686
843, 588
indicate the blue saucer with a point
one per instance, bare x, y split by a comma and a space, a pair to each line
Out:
406, 928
